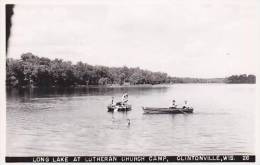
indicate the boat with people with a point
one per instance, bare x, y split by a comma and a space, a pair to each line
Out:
174, 109
171, 110
121, 105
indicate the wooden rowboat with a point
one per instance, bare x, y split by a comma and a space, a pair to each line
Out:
119, 107
126, 107
171, 110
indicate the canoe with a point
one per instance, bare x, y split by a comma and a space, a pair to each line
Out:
119, 107
171, 110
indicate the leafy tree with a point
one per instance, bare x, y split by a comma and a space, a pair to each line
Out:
137, 78
103, 81
241, 79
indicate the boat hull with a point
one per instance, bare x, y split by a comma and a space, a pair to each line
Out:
153, 110
122, 108
110, 108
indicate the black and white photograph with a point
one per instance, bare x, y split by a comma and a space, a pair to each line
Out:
130, 81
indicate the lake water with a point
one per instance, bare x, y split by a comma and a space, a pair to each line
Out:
76, 121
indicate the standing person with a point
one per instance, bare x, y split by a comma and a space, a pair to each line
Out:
124, 98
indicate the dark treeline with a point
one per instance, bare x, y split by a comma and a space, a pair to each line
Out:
34, 71
241, 79
234, 79
31, 70
196, 80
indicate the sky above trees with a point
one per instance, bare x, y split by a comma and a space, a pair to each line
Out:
205, 38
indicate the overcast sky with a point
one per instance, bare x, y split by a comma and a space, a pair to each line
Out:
187, 38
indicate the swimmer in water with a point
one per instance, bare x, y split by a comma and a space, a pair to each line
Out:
128, 122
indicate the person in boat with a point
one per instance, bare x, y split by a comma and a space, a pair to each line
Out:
124, 98
173, 104
185, 104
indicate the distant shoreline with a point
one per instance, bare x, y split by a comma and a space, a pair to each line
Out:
38, 72
121, 86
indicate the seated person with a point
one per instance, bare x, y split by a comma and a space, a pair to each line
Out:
185, 105
173, 104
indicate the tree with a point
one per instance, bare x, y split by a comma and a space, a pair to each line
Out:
103, 81
137, 78
241, 79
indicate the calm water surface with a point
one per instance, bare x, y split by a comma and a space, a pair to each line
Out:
76, 122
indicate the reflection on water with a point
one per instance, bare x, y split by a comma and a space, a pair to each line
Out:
76, 122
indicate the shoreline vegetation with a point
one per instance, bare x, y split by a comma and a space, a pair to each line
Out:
32, 71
